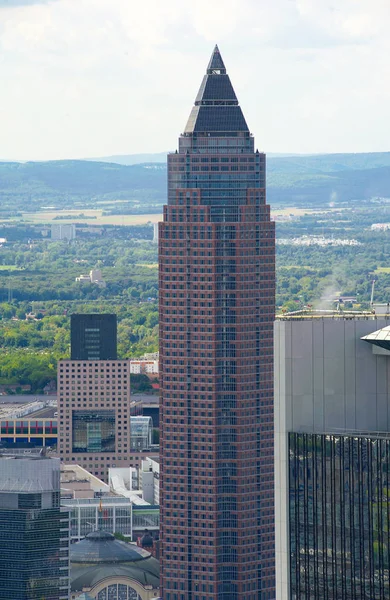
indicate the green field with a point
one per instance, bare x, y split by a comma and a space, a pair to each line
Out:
382, 270
10, 268
148, 265
95, 217
289, 267
89, 216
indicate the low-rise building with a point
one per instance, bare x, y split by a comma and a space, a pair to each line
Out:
95, 277
144, 367
77, 482
121, 507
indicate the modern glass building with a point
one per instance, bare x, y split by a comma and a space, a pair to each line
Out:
34, 530
339, 516
111, 514
216, 299
141, 430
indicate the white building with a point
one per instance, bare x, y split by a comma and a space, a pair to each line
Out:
119, 507
95, 277
63, 232
155, 233
140, 485
148, 367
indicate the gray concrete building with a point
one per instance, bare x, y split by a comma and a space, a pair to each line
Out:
332, 444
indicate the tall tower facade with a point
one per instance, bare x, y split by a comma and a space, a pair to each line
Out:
217, 290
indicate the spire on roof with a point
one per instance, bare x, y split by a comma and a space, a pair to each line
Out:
216, 64
216, 106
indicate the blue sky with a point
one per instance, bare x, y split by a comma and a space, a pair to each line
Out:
83, 78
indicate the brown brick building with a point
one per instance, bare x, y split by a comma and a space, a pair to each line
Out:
217, 290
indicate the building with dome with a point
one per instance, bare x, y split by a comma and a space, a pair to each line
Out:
104, 568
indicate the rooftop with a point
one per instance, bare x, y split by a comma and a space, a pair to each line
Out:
100, 555
26, 398
78, 482
216, 109
310, 313
380, 338
103, 547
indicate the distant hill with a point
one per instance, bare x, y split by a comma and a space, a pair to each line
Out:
308, 180
328, 163
133, 159
64, 183
160, 157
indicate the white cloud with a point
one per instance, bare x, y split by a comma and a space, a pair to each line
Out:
91, 77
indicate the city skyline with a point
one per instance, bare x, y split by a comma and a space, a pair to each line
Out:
85, 80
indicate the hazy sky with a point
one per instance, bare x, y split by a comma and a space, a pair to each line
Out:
83, 78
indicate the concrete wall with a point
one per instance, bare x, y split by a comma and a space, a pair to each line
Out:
326, 379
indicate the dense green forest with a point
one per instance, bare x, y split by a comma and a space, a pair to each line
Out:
297, 180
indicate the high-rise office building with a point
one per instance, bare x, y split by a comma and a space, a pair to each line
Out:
94, 414
34, 530
332, 456
93, 337
217, 287
94, 398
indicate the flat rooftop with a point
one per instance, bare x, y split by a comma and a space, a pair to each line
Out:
26, 398
145, 398
309, 313
43, 413
17, 411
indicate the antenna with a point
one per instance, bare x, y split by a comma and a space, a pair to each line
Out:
372, 293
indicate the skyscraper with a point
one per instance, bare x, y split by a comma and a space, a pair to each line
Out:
34, 530
217, 287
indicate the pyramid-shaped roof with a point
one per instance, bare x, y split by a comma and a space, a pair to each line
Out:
216, 62
216, 109
380, 338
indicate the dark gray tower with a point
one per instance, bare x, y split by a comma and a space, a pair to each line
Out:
93, 337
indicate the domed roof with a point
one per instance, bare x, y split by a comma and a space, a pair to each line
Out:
103, 547
101, 556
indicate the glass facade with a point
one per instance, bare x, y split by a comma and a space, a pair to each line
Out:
141, 429
339, 488
118, 591
93, 431
146, 518
108, 514
30, 542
